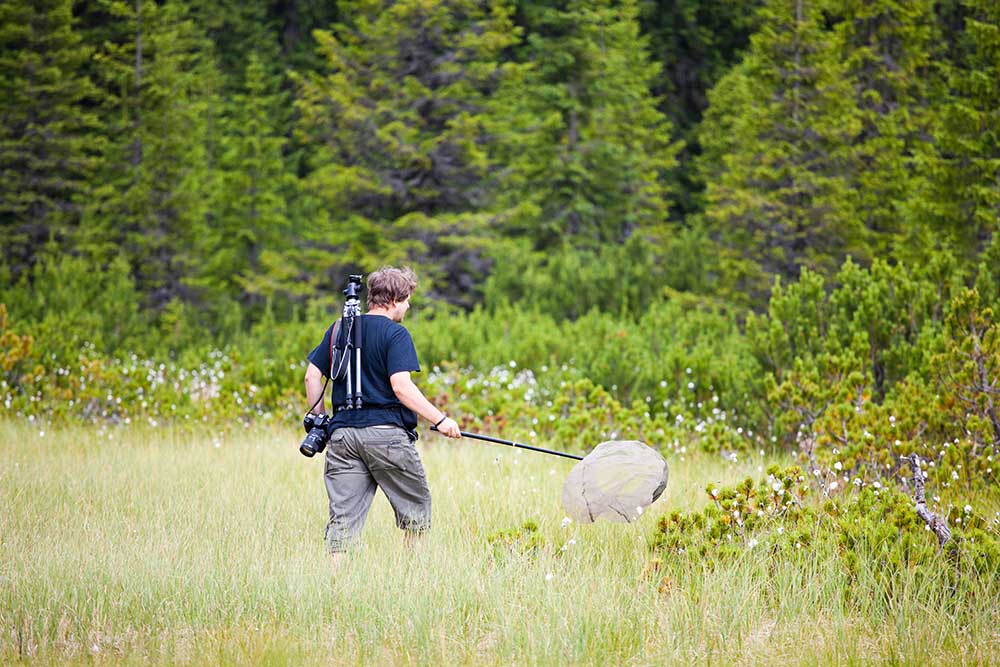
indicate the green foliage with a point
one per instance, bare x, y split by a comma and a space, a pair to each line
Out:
876, 369
524, 539
49, 134
398, 124
867, 527
80, 303
620, 279
963, 191
246, 246
587, 148
889, 49
156, 180
778, 198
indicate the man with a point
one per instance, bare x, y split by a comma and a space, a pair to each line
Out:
372, 447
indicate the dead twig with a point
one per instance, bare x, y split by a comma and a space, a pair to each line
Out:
936, 523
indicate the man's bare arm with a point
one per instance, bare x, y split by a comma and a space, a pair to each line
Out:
314, 389
411, 396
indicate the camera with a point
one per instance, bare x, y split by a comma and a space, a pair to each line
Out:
319, 428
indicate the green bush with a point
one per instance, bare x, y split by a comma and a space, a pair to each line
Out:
788, 515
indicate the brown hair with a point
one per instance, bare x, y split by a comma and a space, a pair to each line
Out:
389, 285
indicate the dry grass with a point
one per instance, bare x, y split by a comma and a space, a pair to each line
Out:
139, 546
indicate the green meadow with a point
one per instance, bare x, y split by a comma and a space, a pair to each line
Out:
138, 545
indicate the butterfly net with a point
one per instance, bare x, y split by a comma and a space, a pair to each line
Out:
617, 481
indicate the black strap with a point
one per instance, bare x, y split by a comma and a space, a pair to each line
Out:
333, 345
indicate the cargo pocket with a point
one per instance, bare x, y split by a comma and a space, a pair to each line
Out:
393, 453
338, 458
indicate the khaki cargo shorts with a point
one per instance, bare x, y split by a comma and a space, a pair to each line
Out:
361, 460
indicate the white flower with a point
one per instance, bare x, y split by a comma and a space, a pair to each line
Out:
777, 487
715, 493
781, 529
968, 508
838, 466
638, 510
566, 522
833, 486
548, 577
752, 543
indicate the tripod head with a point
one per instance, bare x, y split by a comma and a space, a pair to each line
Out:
352, 306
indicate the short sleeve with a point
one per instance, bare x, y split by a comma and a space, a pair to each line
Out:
320, 356
401, 355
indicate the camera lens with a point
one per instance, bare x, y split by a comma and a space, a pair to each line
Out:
314, 442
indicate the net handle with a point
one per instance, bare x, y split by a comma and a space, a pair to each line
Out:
511, 443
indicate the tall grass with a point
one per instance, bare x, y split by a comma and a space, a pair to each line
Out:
140, 545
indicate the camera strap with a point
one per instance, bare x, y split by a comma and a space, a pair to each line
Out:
336, 353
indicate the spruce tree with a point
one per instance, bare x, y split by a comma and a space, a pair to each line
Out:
963, 197
889, 48
161, 84
587, 152
778, 194
49, 133
245, 247
401, 165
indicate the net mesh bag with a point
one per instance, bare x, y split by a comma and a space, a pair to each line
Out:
617, 481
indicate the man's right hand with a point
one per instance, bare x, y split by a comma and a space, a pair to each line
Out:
449, 428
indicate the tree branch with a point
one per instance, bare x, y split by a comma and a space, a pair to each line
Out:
936, 523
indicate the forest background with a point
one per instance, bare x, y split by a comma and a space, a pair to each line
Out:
729, 225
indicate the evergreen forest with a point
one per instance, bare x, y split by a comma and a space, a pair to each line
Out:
646, 211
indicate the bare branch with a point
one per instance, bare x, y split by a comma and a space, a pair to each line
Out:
936, 523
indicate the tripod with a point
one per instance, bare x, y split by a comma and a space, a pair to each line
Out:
345, 347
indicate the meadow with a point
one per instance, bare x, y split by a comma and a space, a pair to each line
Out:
140, 545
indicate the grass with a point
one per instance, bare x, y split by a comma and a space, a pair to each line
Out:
121, 546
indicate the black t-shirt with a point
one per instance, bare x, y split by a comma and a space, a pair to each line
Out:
386, 348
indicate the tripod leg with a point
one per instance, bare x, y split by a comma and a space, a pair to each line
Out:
358, 398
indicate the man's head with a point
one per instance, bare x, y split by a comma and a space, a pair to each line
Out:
389, 289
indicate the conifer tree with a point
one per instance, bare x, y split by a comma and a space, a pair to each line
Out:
889, 48
587, 150
161, 86
963, 198
244, 248
397, 120
49, 133
775, 163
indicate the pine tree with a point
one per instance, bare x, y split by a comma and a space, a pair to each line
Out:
889, 48
161, 85
245, 247
587, 151
696, 42
778, 195
239, 31
963, 197
49, 133
401, 162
